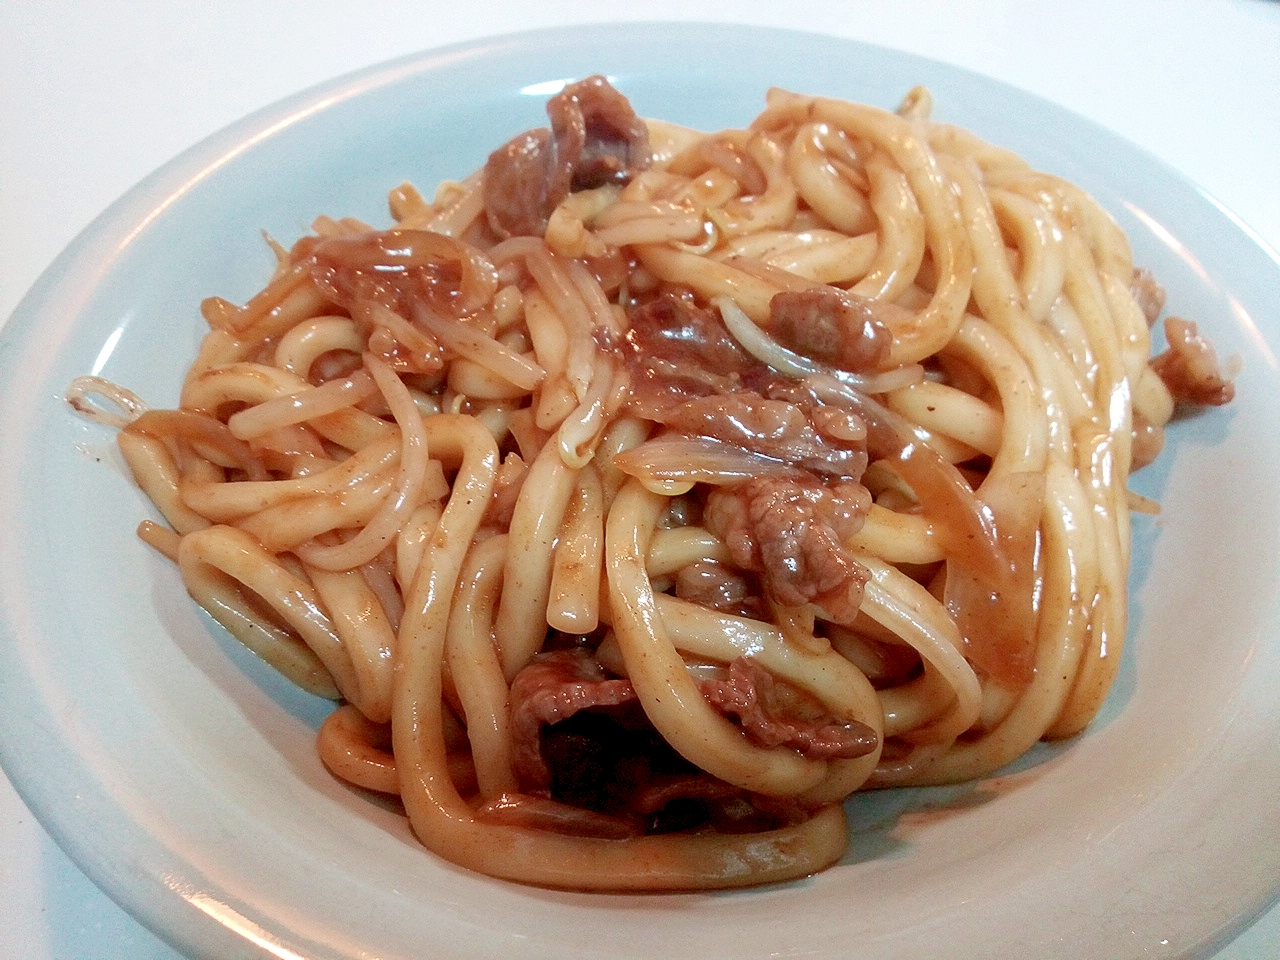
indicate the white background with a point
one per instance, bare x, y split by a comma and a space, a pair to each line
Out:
95, 94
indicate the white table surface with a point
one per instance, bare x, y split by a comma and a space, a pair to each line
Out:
95, 94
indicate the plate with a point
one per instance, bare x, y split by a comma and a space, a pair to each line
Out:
181, 775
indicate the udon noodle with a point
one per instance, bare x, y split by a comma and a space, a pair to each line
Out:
646, 493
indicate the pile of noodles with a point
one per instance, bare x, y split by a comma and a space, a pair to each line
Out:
648, 492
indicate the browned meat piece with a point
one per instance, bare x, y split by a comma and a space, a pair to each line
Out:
830, 325
792, 531
523, 183
1190, 369
752, 695
595, 139
591, 764
676, 349
598, 133
552, 688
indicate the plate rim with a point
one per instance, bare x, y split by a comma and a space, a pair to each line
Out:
171, 180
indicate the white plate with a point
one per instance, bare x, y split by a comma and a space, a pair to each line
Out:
181, 775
